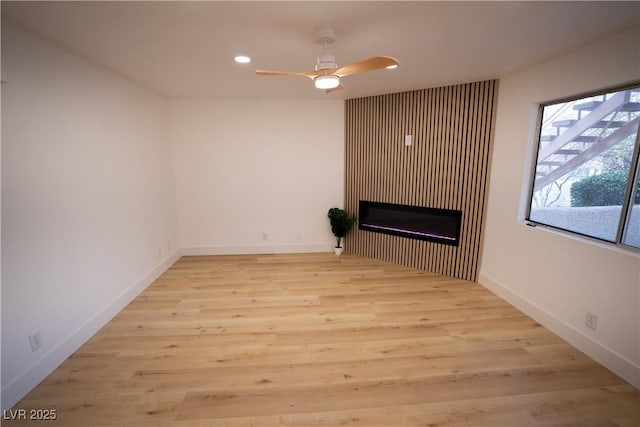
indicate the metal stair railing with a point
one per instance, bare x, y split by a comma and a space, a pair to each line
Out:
601, 146
557, 113
599, 113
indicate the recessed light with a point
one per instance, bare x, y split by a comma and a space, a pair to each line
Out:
391, 67
242, 59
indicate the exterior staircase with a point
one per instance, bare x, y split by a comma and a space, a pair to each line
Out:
600, 124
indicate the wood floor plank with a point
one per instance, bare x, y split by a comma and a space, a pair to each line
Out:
223, 403
320, 340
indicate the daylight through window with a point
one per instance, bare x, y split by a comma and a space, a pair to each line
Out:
587, 177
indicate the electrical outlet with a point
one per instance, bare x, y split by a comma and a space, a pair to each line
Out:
591, 321
265, 236
36, 341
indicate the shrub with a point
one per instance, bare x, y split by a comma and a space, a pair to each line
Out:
605, 189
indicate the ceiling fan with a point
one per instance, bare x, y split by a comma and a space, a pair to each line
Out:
327, 74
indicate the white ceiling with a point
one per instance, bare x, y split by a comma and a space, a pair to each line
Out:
185, 49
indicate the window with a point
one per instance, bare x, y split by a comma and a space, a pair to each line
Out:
587, 174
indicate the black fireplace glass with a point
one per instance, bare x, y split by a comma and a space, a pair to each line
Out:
414, 222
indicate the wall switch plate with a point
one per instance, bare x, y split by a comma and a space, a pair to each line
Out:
408, 140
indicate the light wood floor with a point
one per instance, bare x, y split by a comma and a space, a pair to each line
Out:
317, 340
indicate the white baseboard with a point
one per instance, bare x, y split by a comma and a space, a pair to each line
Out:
607, 357
256, 249
33, 375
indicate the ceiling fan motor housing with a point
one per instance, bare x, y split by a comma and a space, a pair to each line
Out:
326, 61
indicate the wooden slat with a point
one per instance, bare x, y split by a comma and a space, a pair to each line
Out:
446, 167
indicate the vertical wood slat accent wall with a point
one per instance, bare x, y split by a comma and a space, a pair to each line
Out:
446, 167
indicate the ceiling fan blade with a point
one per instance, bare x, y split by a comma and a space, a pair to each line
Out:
310, 74
278, 73
339, 87
371, 64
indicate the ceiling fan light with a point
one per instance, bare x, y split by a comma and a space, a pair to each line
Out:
327, 82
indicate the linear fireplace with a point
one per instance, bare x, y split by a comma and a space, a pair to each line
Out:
414, 222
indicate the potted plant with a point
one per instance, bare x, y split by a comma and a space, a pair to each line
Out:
341, 223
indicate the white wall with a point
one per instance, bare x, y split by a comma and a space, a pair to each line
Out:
248, 167
554, 278
88, 205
